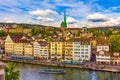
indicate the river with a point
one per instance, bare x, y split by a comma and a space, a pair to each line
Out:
31, 72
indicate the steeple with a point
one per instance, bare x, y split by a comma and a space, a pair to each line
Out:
64, 24
65, 17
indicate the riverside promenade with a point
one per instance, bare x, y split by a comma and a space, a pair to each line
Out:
104, 68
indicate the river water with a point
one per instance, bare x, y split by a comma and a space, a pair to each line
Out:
31, 72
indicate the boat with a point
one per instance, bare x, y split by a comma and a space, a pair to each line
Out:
52, 71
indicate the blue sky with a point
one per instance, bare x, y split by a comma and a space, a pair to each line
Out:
90, 13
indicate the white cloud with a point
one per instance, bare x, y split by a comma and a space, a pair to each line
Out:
71, 20
97, 17
45, 19
46, 12
8, 20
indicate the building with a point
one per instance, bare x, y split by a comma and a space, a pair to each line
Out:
36, 49
69, 50
44, 50
41, 49
82, 49
103, 57
102, 44
28, 49
57, 49
18, 30
2, 73
15, 44
9, 45
115, 58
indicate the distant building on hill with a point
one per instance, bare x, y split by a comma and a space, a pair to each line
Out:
18, 30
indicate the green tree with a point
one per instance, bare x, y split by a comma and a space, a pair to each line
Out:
2, 33
97, 33
115, 43
10, 72
108, 32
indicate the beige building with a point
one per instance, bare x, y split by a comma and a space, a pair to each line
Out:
9, 45
28, 49
18, 45
2, 73
69, 52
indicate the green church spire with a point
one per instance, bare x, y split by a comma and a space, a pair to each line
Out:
64, 24
65, 17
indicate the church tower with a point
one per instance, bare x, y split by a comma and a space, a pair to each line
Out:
64, 26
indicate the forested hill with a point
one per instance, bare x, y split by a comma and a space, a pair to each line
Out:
13, 25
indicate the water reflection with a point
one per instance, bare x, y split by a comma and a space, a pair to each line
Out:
93, 75
31, 72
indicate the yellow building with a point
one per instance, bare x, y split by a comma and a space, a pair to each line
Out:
57, 49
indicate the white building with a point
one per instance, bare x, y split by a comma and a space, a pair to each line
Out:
2, 73
36, 49
82, 50
44, 47
103, 54
40, 49
103, 57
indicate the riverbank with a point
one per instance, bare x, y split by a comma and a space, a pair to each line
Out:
108, 68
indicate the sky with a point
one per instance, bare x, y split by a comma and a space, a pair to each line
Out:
80, 13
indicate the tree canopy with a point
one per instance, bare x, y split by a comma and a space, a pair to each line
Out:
10, 72
115, 43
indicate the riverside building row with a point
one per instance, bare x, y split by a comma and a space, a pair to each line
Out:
72, 49
75, 49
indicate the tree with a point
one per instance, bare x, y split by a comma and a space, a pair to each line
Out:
115, 43
108, 32
10, 73
97, 33
2, 33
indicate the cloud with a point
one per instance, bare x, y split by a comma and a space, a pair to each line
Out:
97, 18
45, 19
71, 20
46, 12
8, 20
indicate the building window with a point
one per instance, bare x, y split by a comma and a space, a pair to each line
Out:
82, 49
82, 52
99, 47
106, 48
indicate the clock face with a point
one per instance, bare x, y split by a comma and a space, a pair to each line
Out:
101, 52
